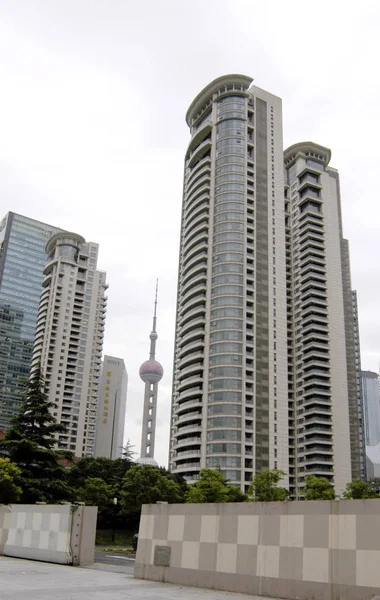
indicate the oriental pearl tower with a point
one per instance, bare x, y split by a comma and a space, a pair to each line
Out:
151, 373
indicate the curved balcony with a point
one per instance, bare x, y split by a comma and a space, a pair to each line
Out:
189, 466
195, 252
198, 311
194, 369
196, 323
195, 227
202, 200
187, 441
192, 292
189, 382
198, 278
195, 240
190, 416
198, 212
199, 135
190, 393
196, 357
190, 348
199, 178
199, 152
181, 408
187, 454
196, 302
198, 333
194, 262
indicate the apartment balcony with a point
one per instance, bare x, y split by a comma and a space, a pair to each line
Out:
194, 303
192, 325
203, 148
197, 183
197, 333
192, 428
200, 260
186, 406
188, 441
193, 453
199, 242
187, 466
195, 357
188, 394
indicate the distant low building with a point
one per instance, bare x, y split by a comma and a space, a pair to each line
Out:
112, 402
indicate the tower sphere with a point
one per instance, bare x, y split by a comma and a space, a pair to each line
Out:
151, 371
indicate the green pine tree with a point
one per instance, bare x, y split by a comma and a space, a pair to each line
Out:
29, 443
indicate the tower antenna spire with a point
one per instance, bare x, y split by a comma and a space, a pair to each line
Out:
155, 308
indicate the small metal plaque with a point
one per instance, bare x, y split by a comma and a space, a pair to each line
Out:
162, 556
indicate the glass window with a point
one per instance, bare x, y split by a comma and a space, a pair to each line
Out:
231, 123
228, 160
225, 196
228, 226
225, 396
225, 384
225, 359
233, 257
223, 461
231, 475
224, 448
227, 278
228, 434
229, 237
230, 169
218, 336
226, 312
229, 206
227, 268
224, 422
221, 290
226, 247
228, 216
226, 324
227, 301
224, 409
225, 372
315, 164
229, 178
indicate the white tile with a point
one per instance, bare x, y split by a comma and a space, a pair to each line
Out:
268, 561
21, 516
54, 521
44, 540
342, 532
291, 530
316, 564
27, 538
248, 529
62, 541
368, 568
190, 555
176, 527
146, 527
209, 528
226, 558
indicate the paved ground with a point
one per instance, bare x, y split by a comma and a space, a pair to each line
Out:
114, 558
32, 580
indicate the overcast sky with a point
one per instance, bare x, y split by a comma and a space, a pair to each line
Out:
93, 95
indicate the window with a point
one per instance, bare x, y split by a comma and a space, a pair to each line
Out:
224, 435
224, 409
225, 372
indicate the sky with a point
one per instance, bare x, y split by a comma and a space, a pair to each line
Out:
93, 97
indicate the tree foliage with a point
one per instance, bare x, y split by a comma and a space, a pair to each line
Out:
359, 490
318, 488
144, 484
264, 486
96, 492
10, 491
29, 443
212, 486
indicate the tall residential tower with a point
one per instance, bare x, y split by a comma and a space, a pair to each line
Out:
265, 372
69, 337
230, 393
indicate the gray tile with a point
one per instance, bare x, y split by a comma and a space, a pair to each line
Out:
35, 539
246, 560
291, 563
207, 556
368, 532
53, 539
269, 530
192, 531
45, 522
343, 566
228, 529
29, 521
144, 551
316, 530
176, 554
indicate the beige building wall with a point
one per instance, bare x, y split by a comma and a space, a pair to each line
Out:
111, 408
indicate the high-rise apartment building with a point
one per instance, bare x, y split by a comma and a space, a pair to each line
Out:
371, 406
22, 262
69, 337
264, 366
109, 439
230, 391
324, 413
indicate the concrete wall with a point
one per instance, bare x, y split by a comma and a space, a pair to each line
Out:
61, 534
303, 550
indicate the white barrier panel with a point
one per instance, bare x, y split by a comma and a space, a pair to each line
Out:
63, 534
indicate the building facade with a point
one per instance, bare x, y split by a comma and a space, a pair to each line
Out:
109, 439
265, 364
371, 406
69, 337
230, 396
22, 261
324, 418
